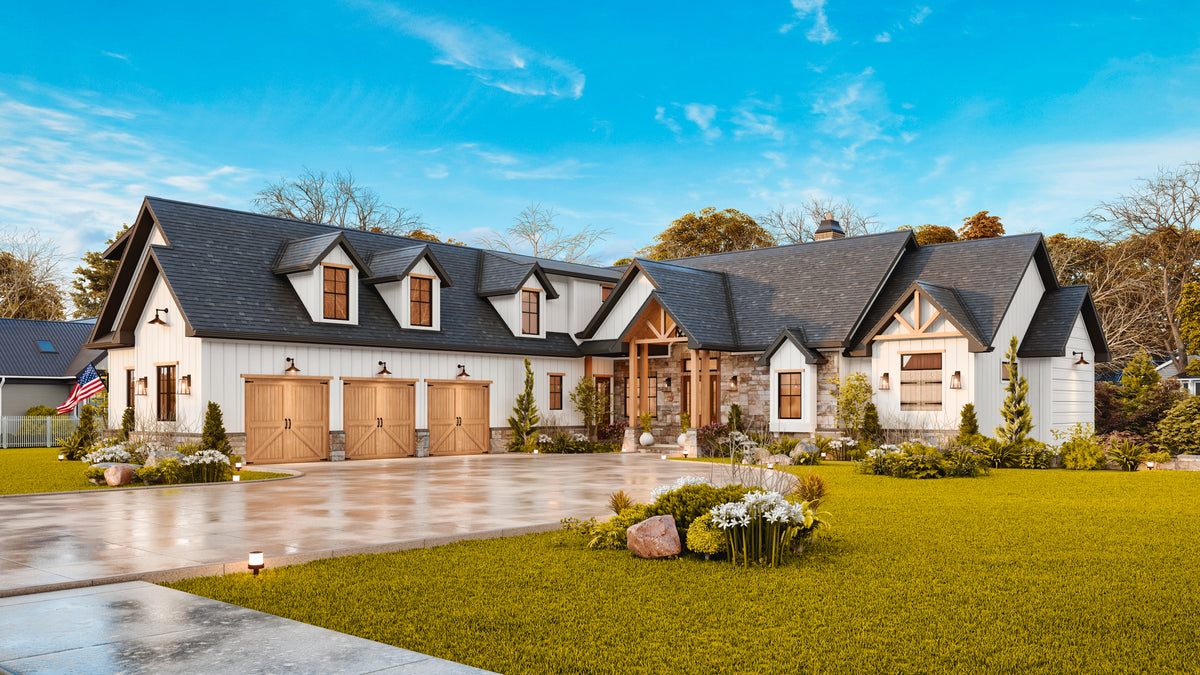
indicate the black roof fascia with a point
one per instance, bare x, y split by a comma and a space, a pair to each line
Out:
532, 350
909, 244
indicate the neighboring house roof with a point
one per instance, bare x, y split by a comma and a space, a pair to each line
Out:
21, 356
502, 274
301, 255
396, 264
1054, 320
219, 266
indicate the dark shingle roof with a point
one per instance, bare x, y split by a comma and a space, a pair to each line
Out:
299, 255
697, 299
229, 289
21, 357
950, 301
984, 274
503, 274
1054, 320
396, 264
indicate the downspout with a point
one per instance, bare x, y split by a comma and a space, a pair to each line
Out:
3, 430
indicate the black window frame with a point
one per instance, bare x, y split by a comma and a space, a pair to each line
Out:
534, 315
798, 395
166, 393
651, 400
130, 387
426, 303
556, 397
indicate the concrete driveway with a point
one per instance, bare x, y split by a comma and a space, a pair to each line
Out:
70, 540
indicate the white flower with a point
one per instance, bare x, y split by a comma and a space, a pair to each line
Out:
206, 457
106, 454
682, 482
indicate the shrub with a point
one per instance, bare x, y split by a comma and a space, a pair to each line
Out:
1144, 414
963, 462
590, 403
613, 431
920, 461
784, 446
854, 392
735, 418
685, 422
619, 501
996, 453
968, 423
1179, 431
811, 488
84, 437
611, 533
128, 424
644, 421
95, 473
524, 419
710, 437
1080, 449
41, 411
213, 436
764, 527
1127, 454
917, 460
1110, 411
1016, 417
705, 537
689, 502
1033, 455
872, 430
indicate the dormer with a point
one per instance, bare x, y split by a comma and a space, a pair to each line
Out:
324, 271
410, 281
518, 289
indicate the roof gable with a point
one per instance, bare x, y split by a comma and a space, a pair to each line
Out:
1054, 320
945, 302
394, 265
500, 274
796, 337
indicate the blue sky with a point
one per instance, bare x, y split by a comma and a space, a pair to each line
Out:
619, 115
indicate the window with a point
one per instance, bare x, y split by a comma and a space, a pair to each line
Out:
790, 396
529, 312
556, 392
605, 291
337, 293
1005, 374
130, 387
166, 393
651, 396
921, 381
420, 306
46, 347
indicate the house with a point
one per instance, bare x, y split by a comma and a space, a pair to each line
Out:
40, 360
320, 342
1167, 369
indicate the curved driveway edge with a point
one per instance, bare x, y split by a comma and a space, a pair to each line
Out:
67, 540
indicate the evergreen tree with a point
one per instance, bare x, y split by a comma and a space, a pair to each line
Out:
968, 424
127, 424
525, 417
1016, 416
1138, 379
213, 436
872, 430
590, 403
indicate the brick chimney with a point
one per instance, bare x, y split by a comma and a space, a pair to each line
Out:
829, 229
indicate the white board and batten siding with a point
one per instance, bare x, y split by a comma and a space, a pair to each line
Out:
1073, 388
789, 359
509, 308
577, 302
886, 357
225, 361
158, 345
626, 309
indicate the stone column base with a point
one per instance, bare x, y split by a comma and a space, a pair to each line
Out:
422, 442
629, 441
691, 444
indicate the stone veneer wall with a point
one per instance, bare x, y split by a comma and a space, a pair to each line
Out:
826, 400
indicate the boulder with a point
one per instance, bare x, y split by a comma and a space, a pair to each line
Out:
654, 538
779, 460
118, 474
761, 455
155, 456
105, 465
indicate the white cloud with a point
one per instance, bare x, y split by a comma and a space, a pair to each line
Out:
703, 116
117, 56
884, 37
820, 31
493, 58
750, 122
661, 116
567, 169
777, 159
918, 17
437, 171
855, 110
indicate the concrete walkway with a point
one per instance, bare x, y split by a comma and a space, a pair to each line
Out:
137, 627
52, 542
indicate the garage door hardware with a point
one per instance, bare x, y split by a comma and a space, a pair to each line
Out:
459, 421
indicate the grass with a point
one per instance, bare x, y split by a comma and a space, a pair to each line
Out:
29, 470
1019, 571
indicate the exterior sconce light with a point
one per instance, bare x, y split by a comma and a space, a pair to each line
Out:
462, 373
142, 384
884, 382
956, 380
1081, 361
733, 383
291, 369
157, 320
383, 371
185, 385
667, 384
256, 561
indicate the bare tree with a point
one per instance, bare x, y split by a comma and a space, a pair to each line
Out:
533, 232
30, 277
796, 225
318, 197
1159, 220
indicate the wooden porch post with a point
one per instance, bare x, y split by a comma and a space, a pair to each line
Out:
705, 388
694, 393
644, 384
633, 379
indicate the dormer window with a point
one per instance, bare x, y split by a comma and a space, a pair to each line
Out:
420, 300
530, 312
337, 293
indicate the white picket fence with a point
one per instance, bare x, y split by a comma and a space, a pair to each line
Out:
35, 432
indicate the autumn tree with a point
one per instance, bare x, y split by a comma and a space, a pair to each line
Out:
981, 226
796, 225
932, 234
29, 276
534, 232
1189, 323
93, 279
708, 231
1158, 218
318, 197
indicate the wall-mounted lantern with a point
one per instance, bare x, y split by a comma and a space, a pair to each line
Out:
956, 380
157, 320
142, 385
666, 384
185, 385
884, 382
291, 369
1081, 361
383, 371
462, 373
733, 383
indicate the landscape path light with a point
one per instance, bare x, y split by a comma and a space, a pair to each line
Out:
256, 561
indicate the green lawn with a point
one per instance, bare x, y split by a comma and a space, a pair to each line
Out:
1016, 572
27, 470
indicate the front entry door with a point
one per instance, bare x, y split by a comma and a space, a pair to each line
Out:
604, 388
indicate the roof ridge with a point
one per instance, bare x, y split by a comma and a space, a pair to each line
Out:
782, 246
985, 239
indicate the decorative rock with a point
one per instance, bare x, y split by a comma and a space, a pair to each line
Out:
779, 460
654, 538
119, 474
155, 456
761, 455
105, 465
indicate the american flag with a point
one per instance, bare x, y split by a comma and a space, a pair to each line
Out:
87, 386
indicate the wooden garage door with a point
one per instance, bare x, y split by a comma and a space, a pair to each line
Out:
379, 416
459, 423
287, 419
